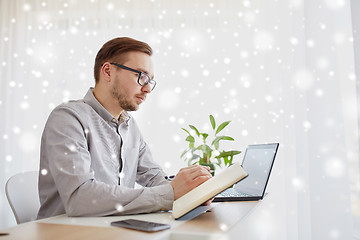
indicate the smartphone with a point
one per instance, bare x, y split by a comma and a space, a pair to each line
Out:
141, 225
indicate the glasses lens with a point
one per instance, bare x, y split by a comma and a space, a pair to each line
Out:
152, 84
143, 79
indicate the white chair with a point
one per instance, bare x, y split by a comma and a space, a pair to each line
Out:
23, 195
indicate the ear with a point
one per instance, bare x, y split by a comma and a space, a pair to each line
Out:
105, 71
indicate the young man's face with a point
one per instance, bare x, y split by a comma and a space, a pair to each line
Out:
124, 87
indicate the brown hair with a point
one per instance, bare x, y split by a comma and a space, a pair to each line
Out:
117, 48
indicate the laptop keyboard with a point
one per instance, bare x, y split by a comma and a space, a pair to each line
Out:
230, 192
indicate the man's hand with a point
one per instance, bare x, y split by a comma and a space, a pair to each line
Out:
208, 202
189, 178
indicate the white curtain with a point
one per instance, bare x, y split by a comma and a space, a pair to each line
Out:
280, 70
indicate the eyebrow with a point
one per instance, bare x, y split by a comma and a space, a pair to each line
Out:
144, 71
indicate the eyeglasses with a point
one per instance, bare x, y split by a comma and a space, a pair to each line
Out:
143, 78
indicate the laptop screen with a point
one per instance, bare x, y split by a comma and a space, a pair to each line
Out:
257, 162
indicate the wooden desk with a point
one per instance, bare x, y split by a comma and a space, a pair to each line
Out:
211, 225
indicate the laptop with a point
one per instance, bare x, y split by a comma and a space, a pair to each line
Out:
258, 161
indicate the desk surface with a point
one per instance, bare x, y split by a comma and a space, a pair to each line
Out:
214, 224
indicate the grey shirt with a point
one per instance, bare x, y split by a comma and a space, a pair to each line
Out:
90, 161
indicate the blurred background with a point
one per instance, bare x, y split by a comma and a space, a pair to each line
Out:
281, 70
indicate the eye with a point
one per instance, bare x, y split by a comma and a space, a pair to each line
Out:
143, 78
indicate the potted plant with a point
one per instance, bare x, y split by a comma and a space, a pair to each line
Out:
202, 153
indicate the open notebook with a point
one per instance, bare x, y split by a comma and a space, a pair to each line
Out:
208, 190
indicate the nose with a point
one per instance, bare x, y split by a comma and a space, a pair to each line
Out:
146, 88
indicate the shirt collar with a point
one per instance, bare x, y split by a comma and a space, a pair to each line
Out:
90, 99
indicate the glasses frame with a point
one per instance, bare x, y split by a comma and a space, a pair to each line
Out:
140, 74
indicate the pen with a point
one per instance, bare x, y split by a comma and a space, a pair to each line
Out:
171, 177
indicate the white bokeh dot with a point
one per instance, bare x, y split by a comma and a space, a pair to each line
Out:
334, 4
16, 130
334, 167
181, 121
12, 84
297, 183
167, 165
24, 105
176, 138
172, 119
263, 40
44, 172
223, 227
184, 73
307, 125
28, 142
119, 207
8, 158
71, 147
303, 79
167, 99
206, 73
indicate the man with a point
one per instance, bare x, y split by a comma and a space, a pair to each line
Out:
92, 151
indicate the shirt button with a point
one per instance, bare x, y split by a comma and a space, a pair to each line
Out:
114, 120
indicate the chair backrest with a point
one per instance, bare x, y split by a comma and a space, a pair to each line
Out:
23, 195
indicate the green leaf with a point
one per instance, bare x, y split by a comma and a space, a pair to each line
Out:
204, 135
227, 138
184, 152
201, 161
187, 151
190, 139
228, 153
194, 157
205, 149
226, 160
195, 129
186, 131
217, 140
230, 160
222, 126
219, 162
212, 121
